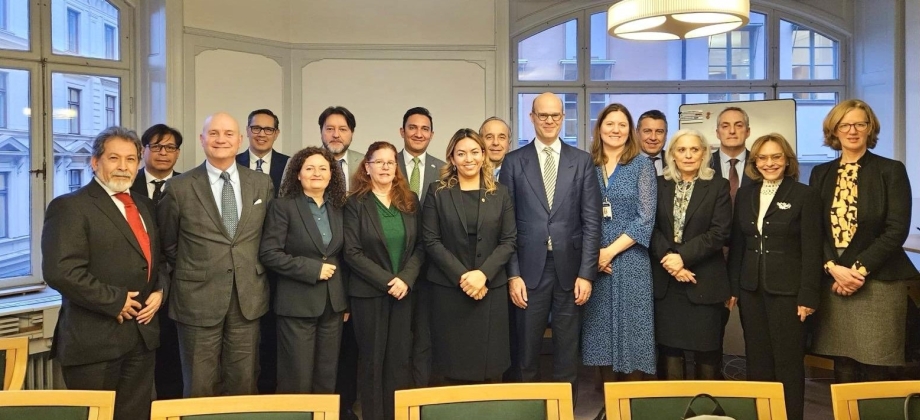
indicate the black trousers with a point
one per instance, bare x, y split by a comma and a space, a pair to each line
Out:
267, 378
549, 298
346, 384
308, 352
421, 335
774, 342
384, 333
168, 370
130, 376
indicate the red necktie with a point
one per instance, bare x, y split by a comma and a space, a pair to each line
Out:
137, 226
733, 179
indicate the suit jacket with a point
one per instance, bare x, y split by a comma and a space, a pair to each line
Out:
433, 167
574, 222
292, 247
446, 237
366, 252
707, 226
883, 211
140, 183
278, 163
205, 261
91, 256
786, 258
716, 165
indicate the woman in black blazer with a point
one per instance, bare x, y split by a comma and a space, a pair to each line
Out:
866, 210
691, 286
469, 232
384, 251
302, 241
775, 266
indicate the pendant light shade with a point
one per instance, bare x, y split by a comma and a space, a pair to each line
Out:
675, 19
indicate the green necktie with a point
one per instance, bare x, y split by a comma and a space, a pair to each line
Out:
414, 178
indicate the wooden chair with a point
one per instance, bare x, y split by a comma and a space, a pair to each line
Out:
14, 357
530, 401
668, 399
874, 400
254, 407
57, 405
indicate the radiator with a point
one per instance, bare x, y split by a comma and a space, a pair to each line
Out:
40, 374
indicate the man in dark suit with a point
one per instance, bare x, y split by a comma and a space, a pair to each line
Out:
419, 169
557, 203
652, 130
211, 223
100, 249
161, 151
262, 130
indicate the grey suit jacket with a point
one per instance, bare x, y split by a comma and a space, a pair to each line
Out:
433, 167
205, 261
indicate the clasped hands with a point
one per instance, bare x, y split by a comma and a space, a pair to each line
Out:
847, 280
132, 308
473, 284
674, 265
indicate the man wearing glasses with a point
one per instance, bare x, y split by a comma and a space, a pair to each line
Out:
161, 151
262, 131
557, 205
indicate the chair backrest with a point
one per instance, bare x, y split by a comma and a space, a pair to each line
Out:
874, 400
249, 407
14, 357
57, 405
531, 401
668, 399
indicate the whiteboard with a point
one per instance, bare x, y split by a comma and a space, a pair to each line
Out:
769, 116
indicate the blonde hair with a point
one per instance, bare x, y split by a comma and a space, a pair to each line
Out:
670, 171
838, 112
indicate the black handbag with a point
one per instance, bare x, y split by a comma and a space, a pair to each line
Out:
717, 412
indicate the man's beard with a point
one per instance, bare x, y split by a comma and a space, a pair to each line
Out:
118, 183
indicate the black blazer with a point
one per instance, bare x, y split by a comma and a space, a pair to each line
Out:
91, 256
445, 233
140, 183
716, 165
292, 247
707, 228
882, 212
279, 161
786, 258
366, 252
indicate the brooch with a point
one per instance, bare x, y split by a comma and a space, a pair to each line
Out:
783, 206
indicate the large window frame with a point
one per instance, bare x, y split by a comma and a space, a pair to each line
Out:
772, 84
40, 61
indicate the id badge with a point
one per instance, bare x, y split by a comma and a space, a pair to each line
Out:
607, 210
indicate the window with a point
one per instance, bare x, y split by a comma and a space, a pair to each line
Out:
731, 55
110, 119
4, 204
111, 44
73, 31
76, 179
4, 12
3, 102
806, 54
73, 105
14, 22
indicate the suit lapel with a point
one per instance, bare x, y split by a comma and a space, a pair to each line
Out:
335, 224
401, 161
700, 190
370, 207
564, 178
456, 199
277, 170
531, 166
779, 197
104, 202
485, 206
668, 201
247, 192
306, 216
202, 187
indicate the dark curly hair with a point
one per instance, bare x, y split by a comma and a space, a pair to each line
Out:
290, 186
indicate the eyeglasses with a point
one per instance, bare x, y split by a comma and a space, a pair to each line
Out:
543, 117
157, 148
779, 157
860, 126
267, 130
382, 163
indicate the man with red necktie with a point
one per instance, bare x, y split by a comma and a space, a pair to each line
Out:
100, 250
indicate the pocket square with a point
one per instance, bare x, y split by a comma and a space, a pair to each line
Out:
259, 201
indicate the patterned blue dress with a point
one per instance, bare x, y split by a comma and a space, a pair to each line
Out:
618, 326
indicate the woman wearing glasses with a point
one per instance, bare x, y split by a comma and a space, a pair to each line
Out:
691, 281
384, 252
302, 242
866, 210
469, 231
775, 266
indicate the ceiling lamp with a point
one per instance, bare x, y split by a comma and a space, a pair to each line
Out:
654, 20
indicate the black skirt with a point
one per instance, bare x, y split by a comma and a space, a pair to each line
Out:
682, 324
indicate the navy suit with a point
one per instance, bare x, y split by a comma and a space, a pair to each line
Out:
574, 224
279, 161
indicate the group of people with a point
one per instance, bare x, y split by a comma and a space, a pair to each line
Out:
298, 274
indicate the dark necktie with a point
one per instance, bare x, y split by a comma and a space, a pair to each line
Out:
259, 165
733, 181
157, 190
137, 226
342, 169
655, 159
228, 205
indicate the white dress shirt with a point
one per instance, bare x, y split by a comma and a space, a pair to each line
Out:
217, 186
150, 178
541, 155
407, 158
266, 161
118, 203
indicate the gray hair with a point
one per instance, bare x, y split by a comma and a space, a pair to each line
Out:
671, 173
747, 121
493, 118
115, 132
